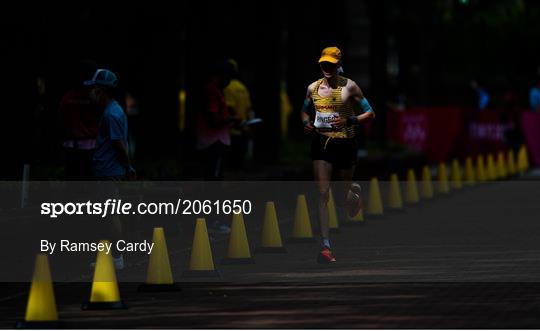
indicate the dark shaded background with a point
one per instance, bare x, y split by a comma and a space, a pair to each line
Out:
428, 50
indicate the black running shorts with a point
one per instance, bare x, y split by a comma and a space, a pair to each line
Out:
340, 152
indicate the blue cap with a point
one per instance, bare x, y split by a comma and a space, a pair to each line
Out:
104, 78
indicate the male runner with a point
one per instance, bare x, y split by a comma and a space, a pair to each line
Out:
329, 114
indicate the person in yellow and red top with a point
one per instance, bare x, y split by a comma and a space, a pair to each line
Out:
334, 105
238, 100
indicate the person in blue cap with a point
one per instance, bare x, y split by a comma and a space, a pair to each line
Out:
111, 158
110, 162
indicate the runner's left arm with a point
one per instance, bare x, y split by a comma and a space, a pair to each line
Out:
360, 100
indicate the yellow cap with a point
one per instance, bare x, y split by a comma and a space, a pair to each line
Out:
330, 54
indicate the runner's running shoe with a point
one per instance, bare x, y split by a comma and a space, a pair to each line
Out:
326, 256
354, 200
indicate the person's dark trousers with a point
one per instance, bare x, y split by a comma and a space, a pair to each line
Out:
111, 228
78, 164
212, 161
237, 156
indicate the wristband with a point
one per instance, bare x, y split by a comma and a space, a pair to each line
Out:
352, 120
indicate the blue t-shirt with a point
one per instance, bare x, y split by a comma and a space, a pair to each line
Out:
113, 126
483, 99
534, 98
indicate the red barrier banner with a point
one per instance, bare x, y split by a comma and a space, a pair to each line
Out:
410, 128
486, 132
434, 131
443, 133
530, 122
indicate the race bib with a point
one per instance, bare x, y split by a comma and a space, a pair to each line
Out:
322, 120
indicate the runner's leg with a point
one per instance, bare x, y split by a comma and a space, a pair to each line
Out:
323, 174
344, 184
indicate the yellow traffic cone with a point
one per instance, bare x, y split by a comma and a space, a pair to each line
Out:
238, 251
512, 171
492, 170
455, 176
159, 275
271, 236
470, 176
426, 187
502, 171
522, 159
520, 164
411, 192
333, 221
442, 179
375, 206
481, 173
526, 157
41, 307
104, 293
201, 263
302, 232
395, 201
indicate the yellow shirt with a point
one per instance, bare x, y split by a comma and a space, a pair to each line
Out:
237, 97
330, 107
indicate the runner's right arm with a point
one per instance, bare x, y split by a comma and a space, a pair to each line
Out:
307, 108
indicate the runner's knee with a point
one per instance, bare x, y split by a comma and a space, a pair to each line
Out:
324, 194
